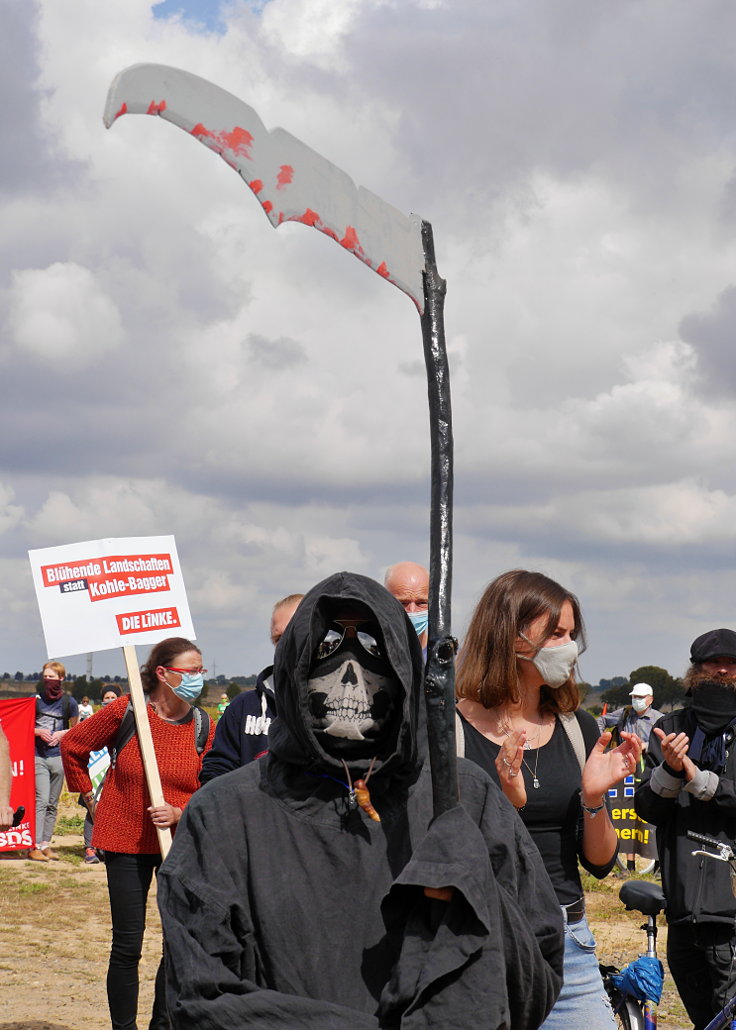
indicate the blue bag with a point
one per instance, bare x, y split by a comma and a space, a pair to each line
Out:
642, 979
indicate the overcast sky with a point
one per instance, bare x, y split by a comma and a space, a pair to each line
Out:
171, 364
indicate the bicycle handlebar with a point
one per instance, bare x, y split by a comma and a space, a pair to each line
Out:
721, 850
703, 839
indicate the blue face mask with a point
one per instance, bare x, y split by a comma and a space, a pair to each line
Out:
191, 686
420, 621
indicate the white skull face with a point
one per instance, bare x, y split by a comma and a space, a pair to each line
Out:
350, 700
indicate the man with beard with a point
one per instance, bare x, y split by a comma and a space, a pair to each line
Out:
306, 890
689, 783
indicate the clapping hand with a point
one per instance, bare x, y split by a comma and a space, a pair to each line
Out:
604, 768
674, 752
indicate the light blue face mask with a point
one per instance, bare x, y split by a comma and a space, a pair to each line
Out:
191, 686
420, 621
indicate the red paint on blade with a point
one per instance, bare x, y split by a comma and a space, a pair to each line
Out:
256, 185
199, 130
309, 217
350, 239
238, 140
156, 108
285, 176
382, 270
267, 206
123, 110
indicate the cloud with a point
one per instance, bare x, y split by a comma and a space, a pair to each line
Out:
711, 335
172, 364
275, 354
62, 316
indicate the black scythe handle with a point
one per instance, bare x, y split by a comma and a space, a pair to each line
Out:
439, 682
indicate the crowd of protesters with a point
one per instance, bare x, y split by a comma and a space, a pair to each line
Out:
303, 828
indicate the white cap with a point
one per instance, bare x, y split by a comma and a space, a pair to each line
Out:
641, 690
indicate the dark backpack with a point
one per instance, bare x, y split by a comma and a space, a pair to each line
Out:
66, 707
127, 728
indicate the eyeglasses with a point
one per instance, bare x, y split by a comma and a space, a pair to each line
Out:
337, 632
170, 668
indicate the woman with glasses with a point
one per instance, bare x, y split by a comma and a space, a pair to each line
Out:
520, 721
125, 822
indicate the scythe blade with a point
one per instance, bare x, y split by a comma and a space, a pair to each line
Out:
292, 182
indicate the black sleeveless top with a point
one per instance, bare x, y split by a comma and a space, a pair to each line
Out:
552, 813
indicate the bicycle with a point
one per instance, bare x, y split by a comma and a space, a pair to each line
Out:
643, 865
637, 1011
635, 1003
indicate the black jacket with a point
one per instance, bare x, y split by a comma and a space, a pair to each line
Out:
284, 907
242, 732
698, 889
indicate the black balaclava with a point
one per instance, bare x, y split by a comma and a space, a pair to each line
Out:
352, 696
712, 702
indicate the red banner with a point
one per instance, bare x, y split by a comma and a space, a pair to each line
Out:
18, 718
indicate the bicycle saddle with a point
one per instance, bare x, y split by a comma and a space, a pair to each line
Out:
642, 896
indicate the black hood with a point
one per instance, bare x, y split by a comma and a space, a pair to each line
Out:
291, 737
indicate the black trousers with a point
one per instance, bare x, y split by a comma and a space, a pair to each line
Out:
128, 882
701, 960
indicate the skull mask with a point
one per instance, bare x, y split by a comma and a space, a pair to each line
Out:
352, 691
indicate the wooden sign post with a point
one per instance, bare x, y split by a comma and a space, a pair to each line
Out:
145, 740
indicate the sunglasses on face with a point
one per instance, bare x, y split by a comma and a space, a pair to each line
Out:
337, 632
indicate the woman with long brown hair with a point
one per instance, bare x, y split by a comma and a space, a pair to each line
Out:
125, 822
520, 721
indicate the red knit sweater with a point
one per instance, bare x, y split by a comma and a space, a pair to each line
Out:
122, 822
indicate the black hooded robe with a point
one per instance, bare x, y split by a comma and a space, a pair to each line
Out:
271, 897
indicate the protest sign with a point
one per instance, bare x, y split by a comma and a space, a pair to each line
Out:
18, 718
101, 594
97, 766
635, 837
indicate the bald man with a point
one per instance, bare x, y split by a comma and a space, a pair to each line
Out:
409, 583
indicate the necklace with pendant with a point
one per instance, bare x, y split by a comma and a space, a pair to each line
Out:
535, 781
507, 728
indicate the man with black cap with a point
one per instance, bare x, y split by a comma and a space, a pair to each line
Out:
309, 890
689, 783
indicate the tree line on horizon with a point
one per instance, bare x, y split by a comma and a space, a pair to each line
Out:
668, 691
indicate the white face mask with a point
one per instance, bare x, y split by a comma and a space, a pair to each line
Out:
639, 704
554, 664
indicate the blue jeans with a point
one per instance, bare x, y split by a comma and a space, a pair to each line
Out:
582, 1004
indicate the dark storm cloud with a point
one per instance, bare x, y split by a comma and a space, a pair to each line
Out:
25, 161
712, 334
277, 354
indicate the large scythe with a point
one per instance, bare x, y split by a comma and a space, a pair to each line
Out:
293, 183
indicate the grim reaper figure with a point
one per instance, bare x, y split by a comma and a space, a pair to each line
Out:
306, 890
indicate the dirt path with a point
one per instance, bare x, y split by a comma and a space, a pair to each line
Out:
55, 938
